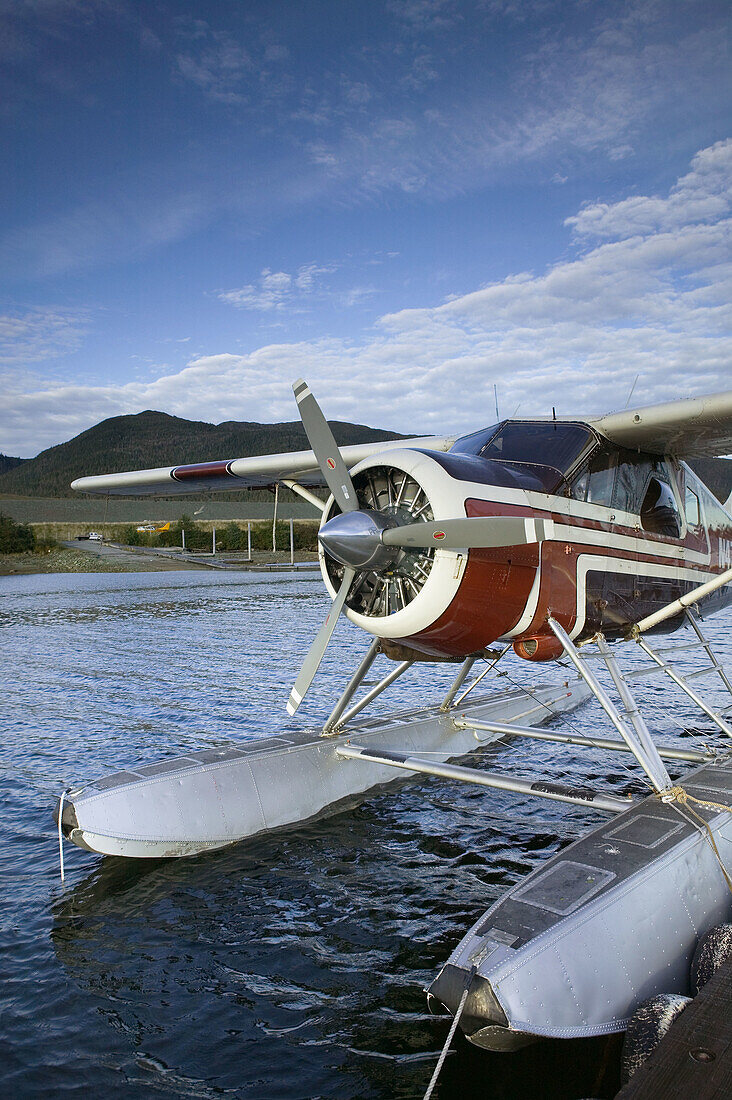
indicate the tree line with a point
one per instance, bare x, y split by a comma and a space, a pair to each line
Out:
20, 538
230, 537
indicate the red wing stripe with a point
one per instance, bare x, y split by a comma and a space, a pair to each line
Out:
202, 470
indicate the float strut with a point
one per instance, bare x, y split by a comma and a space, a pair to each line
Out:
650, 762
557, 792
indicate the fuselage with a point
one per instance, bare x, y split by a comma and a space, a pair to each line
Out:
623, 534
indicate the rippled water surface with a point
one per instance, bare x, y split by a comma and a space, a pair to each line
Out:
287, 967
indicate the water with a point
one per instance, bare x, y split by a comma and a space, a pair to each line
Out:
287, 967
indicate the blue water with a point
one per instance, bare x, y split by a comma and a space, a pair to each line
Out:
287, 967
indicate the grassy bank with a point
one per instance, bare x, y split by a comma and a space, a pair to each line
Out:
62, 560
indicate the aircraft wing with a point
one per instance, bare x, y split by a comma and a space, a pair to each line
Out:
256, 472
693, 427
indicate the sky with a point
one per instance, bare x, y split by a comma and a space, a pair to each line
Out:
405, 202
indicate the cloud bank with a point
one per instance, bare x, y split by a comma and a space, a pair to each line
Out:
647, 292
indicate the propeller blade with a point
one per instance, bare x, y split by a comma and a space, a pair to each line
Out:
319, 646
465, 534
320, 437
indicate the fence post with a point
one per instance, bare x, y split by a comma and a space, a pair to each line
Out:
274, 520
292, 544
213, 542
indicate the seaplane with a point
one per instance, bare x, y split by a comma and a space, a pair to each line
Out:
565, 542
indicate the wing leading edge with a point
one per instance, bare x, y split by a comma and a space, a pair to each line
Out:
256, 472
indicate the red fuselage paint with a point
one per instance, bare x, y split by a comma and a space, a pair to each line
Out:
607, 574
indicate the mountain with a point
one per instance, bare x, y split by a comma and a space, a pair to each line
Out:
149, 439
8, 463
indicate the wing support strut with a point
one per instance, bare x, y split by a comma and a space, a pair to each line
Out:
301, 491
664, 666
682, 603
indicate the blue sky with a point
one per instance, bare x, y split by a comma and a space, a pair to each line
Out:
404, 201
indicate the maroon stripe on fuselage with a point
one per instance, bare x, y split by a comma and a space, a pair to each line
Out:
645, 540
478, 507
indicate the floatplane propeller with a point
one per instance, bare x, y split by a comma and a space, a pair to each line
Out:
371, 539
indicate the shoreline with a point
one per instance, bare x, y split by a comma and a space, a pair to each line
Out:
105, 558
76, 561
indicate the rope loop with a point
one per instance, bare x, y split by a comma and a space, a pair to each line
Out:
680, 795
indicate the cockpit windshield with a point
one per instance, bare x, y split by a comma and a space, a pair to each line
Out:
549, 448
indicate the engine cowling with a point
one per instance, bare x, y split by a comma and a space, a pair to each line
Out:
438, 601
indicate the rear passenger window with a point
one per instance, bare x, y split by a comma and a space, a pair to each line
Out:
692, 508
659, 514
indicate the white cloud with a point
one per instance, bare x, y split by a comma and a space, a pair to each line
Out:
39, 334
277, 290
703, 195
572, 93
225, 70
220, 68
400, 118
425, 15
308, 276
655, 303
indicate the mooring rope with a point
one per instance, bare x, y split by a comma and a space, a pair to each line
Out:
682, 796
450, 1034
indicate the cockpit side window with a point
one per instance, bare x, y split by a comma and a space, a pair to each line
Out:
596, 482
630, 481
634, 472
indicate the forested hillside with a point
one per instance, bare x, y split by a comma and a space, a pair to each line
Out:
8, 463
151, 439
